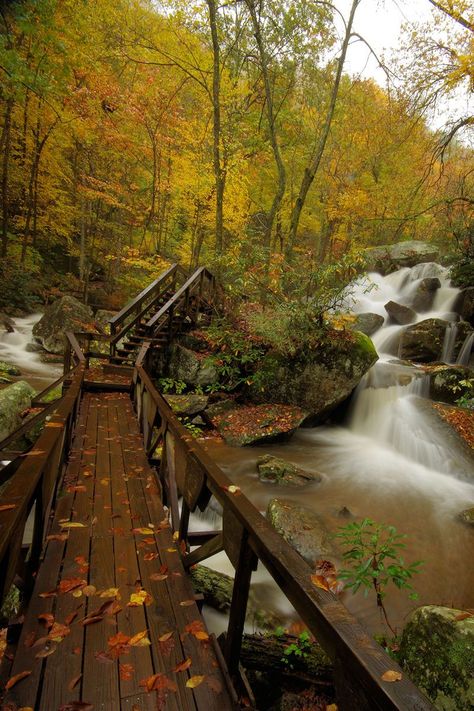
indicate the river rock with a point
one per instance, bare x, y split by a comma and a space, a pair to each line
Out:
8, 369
387, 258
189, 404
303, 529
467, 516
188, 366
423, 296
317, 380
368, 323
423, 342
402, 315
437, 651
284, 473
7, 323
219, 407
66, 314
446, 382
246, 425
464, 305
14, 399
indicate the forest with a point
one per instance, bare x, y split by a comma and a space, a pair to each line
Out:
138, 133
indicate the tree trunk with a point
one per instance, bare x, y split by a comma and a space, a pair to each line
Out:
272, 129
313, 167
219, 172
5, 171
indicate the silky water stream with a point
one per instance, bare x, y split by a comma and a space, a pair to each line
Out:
391, 460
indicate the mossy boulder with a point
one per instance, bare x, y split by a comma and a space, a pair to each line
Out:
303, 529
189, 404
280, 471
190, 367
467, 516
14, 399
387, 258
465, 305
247, 425
319, 379
450, 382
7, 371
66, 314
423, 342
437, 651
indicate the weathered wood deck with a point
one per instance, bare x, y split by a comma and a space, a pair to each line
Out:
112, 621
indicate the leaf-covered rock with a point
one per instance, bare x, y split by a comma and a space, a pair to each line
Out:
246, 425
280, 471
189, 404
437, 651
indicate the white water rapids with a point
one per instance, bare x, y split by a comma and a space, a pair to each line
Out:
392, 461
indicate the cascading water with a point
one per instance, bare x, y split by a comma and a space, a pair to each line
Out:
393, 461
13, 350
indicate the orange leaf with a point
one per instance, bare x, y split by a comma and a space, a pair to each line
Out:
182, 666
165, 637
201, 635
47, 618
320, 582
195, 681
186, 603
15, 679
391, 675
137, 638
8, 507
126, 671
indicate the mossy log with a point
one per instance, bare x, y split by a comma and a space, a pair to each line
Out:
217, 590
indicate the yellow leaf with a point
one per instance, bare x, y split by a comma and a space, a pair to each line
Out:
201, 635
144, 531
233, 489
194, 681
165, 637
140, 598
73, 524
110, 592
391, 675
140, 639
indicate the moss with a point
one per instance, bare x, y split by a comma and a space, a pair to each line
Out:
10, 606
364, 343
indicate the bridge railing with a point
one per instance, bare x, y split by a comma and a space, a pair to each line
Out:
247, 537
29, 486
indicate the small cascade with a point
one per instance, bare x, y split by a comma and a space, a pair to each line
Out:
447, 353
464, 355
14, 350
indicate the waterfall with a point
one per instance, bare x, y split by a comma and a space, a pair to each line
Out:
447, 353
464, 355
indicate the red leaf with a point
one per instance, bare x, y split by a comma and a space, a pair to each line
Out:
47, 618
8, 507
182, 666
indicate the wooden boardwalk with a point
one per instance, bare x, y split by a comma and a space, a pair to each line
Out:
112, 621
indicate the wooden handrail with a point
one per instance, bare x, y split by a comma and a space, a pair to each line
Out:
357, 657
74, 343
142, 296
34, 481
192, 281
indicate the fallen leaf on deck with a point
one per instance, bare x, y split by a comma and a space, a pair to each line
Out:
320, 582
391, 675
73, 524
74, 682
8, 507
126, 671
182, 666
143, 531
195, 681
69, 584
165, 637
150, 556
78, 488
15, 679
57, 537
140, 639
140, 598
110, 592
46, 652
158, 576
186, 603
58, 632
47, 618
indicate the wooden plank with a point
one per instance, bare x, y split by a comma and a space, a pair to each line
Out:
100, 684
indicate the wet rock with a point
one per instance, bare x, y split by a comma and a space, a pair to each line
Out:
51, 358
246, 425
34, 348
448, 382
7, 323
66, 314
423, 297
190, 404
437, 651
345, 513
14, 399
218, 408
389, 257
402, 315
467, 516
102, 317
186, 365
465, 305
368, 323
284, 473
8, 369
303, 529
423, 342
318, 380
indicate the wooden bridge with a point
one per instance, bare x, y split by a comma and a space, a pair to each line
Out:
112, 621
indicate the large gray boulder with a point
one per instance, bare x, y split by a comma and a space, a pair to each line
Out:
7, 323
66, 314
423, 296
423, 342
303, 529
189, 404
437, 651
190, 367
317, 380
465, 305
448, 382
387, 258
368, 323
14, 399
402, 315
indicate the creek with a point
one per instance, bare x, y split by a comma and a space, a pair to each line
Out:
391, 460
